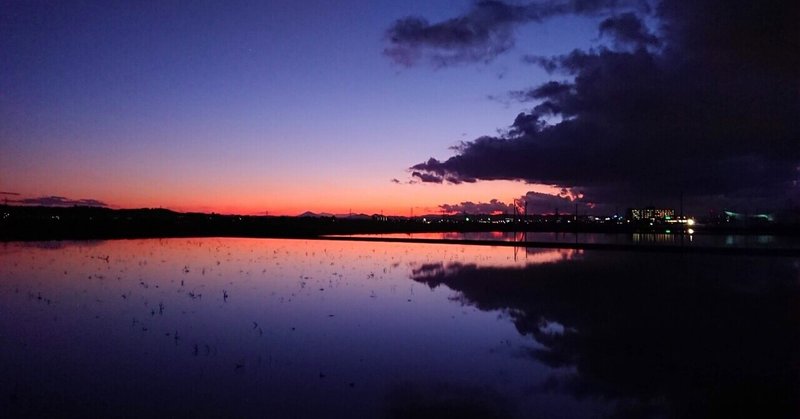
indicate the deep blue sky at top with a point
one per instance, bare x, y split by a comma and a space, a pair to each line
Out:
176, 103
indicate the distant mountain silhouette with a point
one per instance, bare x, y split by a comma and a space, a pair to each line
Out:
315, 215
310, 214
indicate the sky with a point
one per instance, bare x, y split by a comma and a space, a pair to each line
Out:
400, 107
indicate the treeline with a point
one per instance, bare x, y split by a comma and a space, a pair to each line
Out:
61, 223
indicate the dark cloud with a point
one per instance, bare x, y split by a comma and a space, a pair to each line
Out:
565, 203
548, 90
60, 201
546, 63
9, 193
627, 29
713, 113
492, 207
427, 177
482, 33
537, 203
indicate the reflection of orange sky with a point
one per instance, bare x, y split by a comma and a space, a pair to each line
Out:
258, 196
542, 256
68, 261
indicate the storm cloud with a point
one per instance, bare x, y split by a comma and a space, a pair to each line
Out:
706, 103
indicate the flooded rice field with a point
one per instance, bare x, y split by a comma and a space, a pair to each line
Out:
295, 328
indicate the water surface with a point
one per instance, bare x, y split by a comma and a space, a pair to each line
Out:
294, 328
731, 241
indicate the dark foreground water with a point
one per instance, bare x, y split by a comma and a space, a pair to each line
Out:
292, 328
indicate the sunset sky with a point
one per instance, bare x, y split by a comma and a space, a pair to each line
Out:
293, 106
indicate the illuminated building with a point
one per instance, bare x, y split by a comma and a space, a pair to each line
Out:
651, 214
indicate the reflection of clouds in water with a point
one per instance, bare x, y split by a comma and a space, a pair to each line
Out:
542, 256
642, 331
530, 257
666, 335
290, 320
479, 256
445, 400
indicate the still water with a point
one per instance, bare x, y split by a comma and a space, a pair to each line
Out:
730, 241
294, 328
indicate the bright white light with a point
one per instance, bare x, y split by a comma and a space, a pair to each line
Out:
690, 231
690, 221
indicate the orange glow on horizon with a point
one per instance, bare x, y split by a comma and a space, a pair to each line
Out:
281, 199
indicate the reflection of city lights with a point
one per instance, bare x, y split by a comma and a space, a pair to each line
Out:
690, 222
690, 231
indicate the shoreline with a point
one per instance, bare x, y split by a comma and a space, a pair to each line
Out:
749, 251
616, 247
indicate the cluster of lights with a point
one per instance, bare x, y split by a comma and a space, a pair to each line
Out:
687, 221
681, 220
